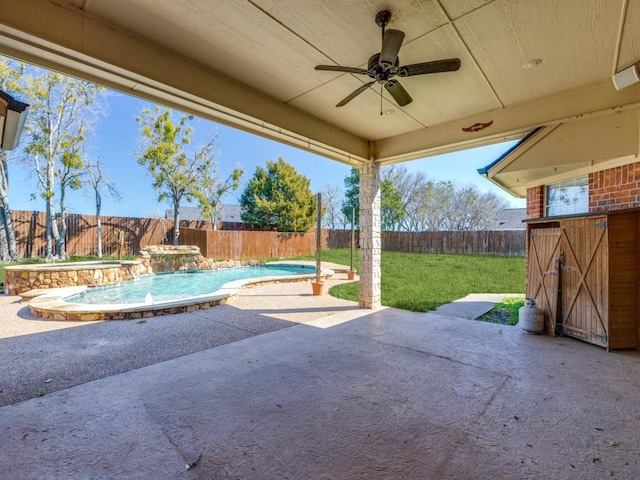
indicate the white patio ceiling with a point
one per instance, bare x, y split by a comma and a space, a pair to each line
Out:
250, 64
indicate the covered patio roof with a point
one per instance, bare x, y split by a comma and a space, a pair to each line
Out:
558, 152
250, 64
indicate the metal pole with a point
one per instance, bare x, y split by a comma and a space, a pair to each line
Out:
353, 236
318, 234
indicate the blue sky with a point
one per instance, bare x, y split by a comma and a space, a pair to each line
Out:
116, 138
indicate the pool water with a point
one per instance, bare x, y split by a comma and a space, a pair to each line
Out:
167, 286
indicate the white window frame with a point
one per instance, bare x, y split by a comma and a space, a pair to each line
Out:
569, 197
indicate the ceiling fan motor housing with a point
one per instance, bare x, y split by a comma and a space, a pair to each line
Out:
380, 72
383, 18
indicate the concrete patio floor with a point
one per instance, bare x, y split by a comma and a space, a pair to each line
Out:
347, 393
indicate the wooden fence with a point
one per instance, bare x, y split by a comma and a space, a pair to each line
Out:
492, 242
30, 228
238, 245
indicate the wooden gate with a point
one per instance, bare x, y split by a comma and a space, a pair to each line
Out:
598, 299
542, 272
585, 279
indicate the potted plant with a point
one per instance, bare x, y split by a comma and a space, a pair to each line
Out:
318, 288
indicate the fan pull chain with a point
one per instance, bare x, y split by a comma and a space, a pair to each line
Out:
380, 99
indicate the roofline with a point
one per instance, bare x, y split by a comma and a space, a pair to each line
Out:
485, 170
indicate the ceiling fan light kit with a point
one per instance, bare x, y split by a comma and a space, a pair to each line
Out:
383, 66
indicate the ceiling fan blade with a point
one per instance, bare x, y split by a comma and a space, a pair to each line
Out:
399, 94
447, 65
354, 94
391, 44
337, 68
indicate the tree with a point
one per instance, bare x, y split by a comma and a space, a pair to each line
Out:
70, 174
424, 202
474, 209
11, 73
351, 199
415, 189
278, 198
391, 207
176, 172
7, 234
332, 213
98, 181
212, 188
441, 205
63, 110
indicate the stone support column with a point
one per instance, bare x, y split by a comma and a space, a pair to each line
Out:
370, 244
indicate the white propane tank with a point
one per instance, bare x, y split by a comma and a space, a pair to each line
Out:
530, 317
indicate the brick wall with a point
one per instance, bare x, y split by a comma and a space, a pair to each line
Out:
611, 189
615, 188
535, 202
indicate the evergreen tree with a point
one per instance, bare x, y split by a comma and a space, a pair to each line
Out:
278, 198
352, 196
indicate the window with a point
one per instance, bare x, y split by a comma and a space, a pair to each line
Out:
568, 197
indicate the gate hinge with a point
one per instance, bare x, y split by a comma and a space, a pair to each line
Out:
601, 224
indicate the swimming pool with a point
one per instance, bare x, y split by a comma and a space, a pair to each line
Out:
168, 286
162, 293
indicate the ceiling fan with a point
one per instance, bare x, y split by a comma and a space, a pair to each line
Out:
383, 66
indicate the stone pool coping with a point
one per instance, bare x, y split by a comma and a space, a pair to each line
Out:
26, 277
65, 266
50, 303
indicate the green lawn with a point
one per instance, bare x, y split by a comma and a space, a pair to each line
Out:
422, 282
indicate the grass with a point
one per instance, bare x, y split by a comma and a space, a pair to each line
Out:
505, 312
422, 282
